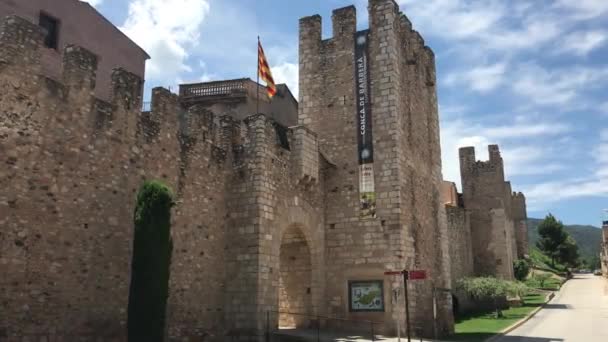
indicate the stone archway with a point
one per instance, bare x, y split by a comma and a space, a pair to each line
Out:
295, 279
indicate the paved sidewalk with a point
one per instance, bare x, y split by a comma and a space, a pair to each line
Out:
311, 335
579, 313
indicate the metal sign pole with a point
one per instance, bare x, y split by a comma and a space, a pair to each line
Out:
407, 306
434, 313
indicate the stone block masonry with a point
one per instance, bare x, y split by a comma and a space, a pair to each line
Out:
268, 217
497, 216
410, 230
72, 166
520, 220
604, 246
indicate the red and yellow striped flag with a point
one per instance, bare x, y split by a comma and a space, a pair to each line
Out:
264, 71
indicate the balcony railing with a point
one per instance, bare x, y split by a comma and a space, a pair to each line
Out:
239, 87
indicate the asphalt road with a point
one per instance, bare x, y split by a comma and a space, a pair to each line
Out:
578, 313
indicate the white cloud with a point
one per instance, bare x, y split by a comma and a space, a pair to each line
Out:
207, 76
548, 192
533, 33
287, 73
584, 9
93, 3
582, 42
592, 184
166, 30
520, 158
558, 86
485, 25
481, 79
603, 108
526, 130
454, 18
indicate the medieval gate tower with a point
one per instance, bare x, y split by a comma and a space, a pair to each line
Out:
375, 90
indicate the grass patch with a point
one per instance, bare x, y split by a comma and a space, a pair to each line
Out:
480, 326
543, 262
552, 284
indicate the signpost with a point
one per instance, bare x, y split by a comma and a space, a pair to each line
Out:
411, 275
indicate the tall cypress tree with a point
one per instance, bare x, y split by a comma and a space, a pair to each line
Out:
152, 248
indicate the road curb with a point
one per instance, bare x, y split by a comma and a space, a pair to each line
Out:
517, 324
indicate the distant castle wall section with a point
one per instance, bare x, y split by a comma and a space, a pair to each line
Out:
488, 198
520, 221
461, 251
604, 248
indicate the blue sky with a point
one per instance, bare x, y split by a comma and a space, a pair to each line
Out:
529, 75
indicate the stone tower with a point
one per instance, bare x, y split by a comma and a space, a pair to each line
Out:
488, 198
520, 221
371, 98
604, 245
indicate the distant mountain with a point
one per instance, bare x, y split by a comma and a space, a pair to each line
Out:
588, 238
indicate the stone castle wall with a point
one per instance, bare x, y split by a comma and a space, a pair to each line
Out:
258, 206
461, 251
74, 164
272, 190
520, 221
410, 229
487, 197
604, 249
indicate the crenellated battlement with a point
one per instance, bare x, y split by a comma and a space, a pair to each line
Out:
344, 25
470, 166
344, 22
21, 42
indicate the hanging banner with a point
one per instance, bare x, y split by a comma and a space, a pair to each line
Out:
367, 192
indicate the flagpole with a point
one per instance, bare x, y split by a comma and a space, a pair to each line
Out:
257, 84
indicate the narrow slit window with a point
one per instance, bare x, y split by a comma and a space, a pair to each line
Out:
50, 26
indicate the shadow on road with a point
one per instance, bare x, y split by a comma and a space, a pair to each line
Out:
528, 339
484, 336
556, 306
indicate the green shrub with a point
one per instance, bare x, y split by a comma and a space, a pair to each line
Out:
541, 278
521, 268
152, 248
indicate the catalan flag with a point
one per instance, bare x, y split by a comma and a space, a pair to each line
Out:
264, 72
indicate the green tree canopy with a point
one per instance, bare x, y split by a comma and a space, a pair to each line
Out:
568, 252
552, 236
521, 268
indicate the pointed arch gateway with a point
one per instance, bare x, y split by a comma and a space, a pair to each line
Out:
295, 279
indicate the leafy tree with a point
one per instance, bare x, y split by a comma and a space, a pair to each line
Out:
541, 278
152, 248
568, 252
521, 268
592, 263
552, 236
518, 288
490, 288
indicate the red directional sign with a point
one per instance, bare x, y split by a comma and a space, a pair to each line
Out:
417, 274
393, 272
